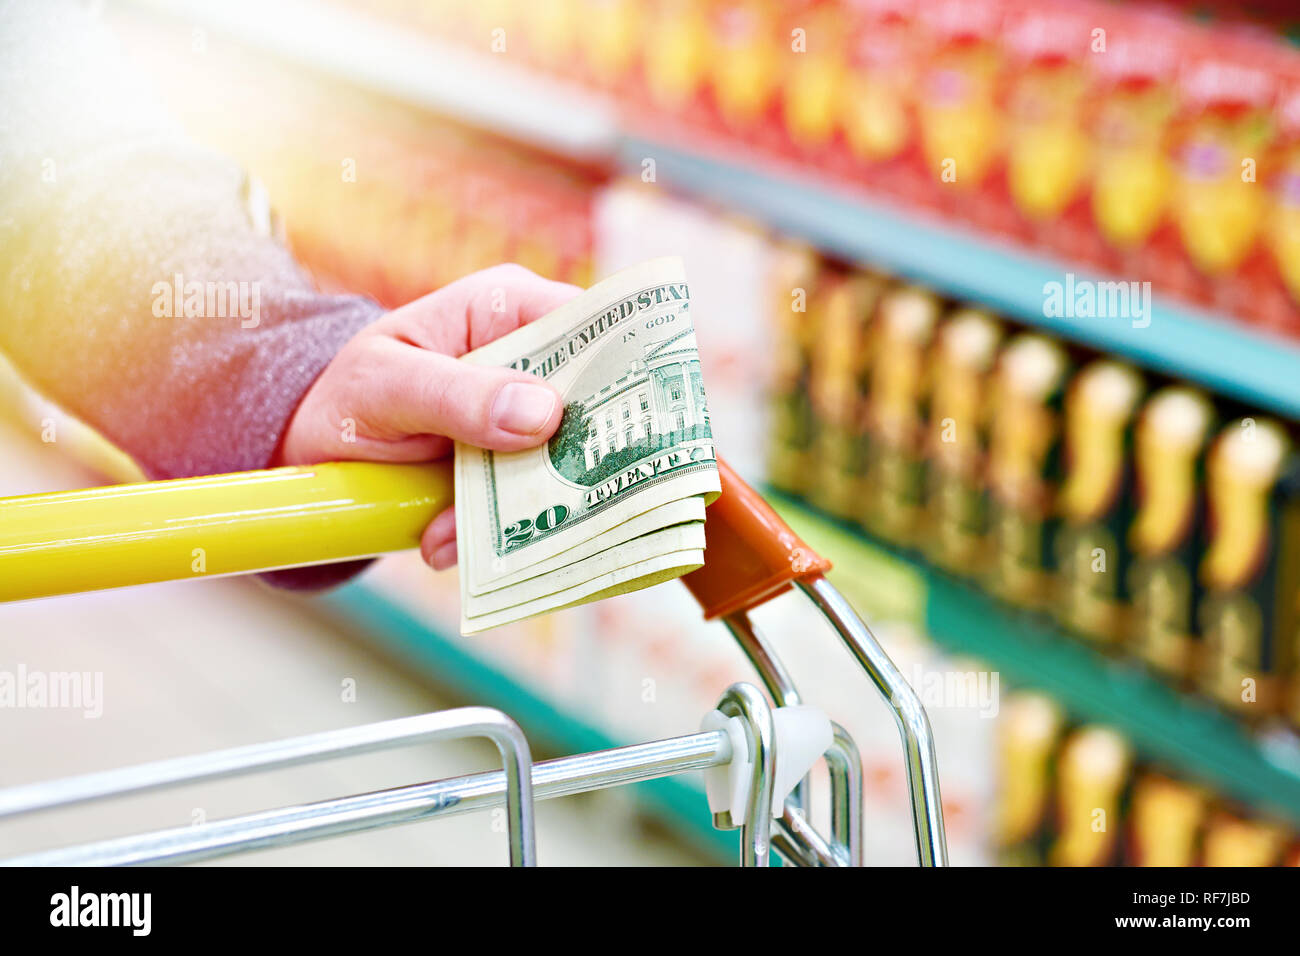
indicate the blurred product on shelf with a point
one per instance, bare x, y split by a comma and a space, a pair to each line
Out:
1222, 129
1024, 468
1078, 796
1134, 106
956, 108
1167, 534
839, 356
957, 441
1091, 770
1028, 735
1096, 501
1233, 841
1136, 140
744, 70
1284, 191
796, 275
1048, 148
892, 491
1249, 613
1166, 817
814, 88
1068, 491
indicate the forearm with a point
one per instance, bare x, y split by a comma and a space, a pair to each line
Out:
140, 287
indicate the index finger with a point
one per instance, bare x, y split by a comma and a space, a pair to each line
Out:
480, 308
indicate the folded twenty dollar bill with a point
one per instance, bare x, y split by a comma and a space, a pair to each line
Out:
615, 500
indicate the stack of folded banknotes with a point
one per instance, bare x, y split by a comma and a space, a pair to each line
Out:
615, 500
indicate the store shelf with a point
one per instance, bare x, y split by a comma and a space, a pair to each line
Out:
497, 95
446, 661
487, 91
1190, 343
1184, 733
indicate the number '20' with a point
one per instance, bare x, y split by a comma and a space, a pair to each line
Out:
521, 532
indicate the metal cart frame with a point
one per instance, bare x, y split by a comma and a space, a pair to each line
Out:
230, 524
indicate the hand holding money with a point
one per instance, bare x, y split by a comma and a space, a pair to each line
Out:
397, 391
615, 500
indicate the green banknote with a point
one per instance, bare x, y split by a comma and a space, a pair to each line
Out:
615, 500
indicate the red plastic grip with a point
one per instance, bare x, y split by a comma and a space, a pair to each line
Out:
752, 555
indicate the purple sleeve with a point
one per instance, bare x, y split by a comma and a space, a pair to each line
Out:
141, 288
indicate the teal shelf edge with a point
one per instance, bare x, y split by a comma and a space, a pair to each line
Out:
445, 662
1171, 727
1216, 352
1179, 731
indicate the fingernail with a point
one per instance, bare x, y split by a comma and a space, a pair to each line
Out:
523, 409
444, 557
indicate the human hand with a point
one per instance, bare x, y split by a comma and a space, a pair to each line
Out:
396, 392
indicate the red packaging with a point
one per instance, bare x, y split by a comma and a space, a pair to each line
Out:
1129, 131
878, 115
1217, 204
1280, 309
958, 110
1048, 152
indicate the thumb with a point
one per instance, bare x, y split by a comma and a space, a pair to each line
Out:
428, 393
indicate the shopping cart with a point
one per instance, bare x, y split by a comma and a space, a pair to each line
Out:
756, 755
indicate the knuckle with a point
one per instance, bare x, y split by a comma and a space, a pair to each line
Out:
366, 386
437, 396
503, 277
511, 270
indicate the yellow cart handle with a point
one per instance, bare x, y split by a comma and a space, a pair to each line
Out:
119, 535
